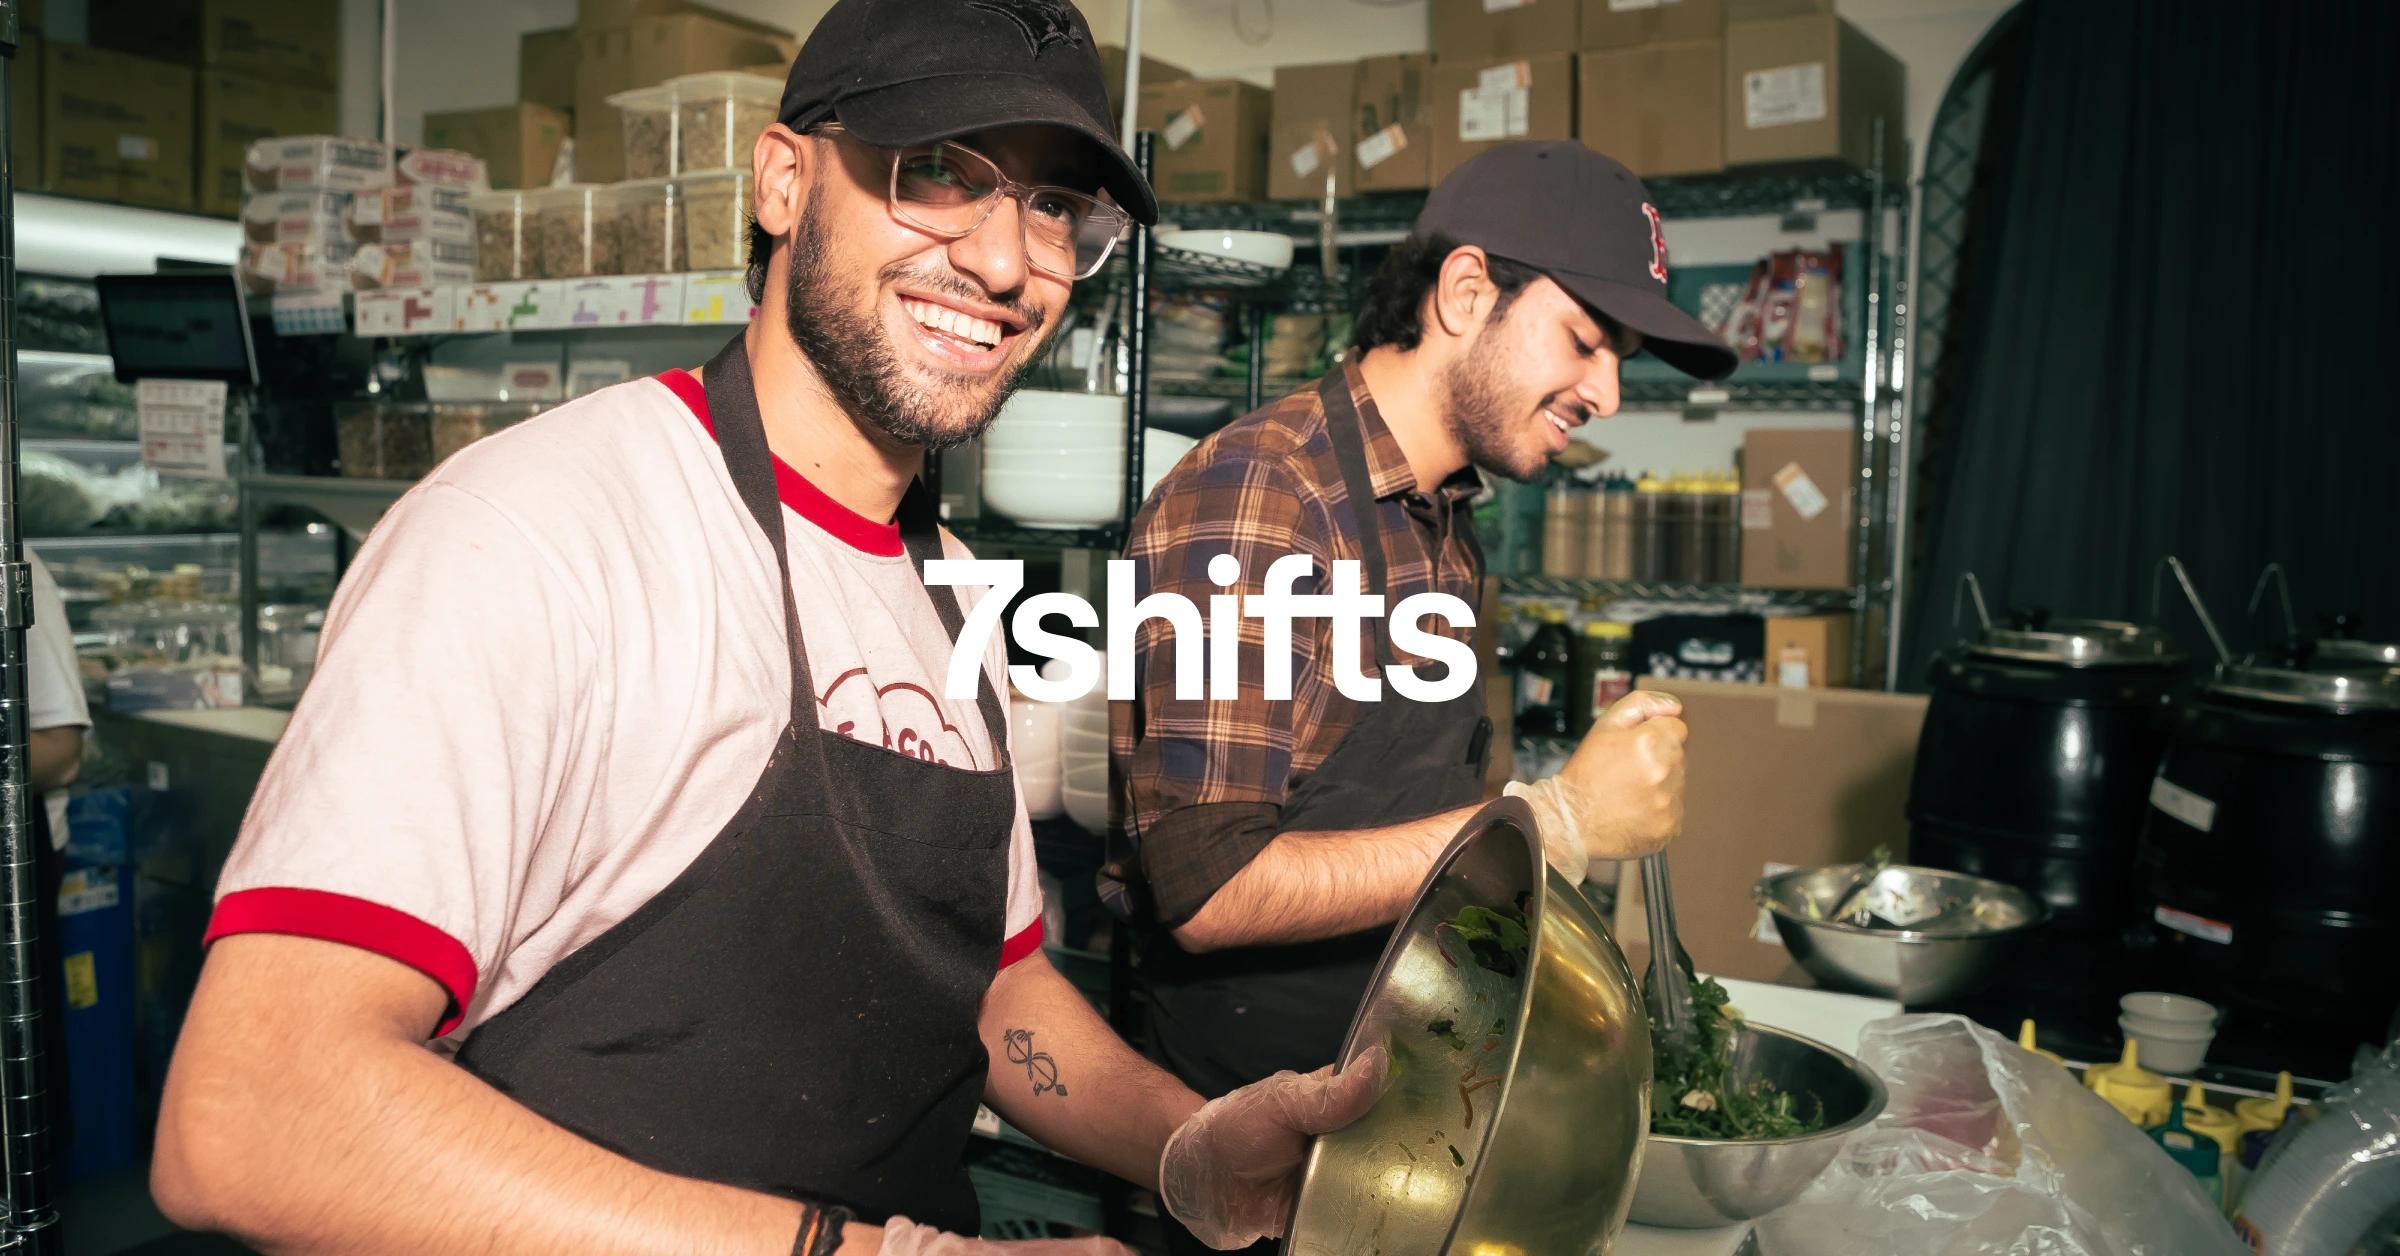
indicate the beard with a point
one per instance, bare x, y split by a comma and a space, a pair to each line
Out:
1478, 407
854, 358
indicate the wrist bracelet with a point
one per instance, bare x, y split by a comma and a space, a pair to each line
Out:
821, 1230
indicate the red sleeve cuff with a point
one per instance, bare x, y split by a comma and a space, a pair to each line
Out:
1027, 941
369, 926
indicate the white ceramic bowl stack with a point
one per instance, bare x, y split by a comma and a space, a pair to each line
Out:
1083, 751
1034, 742
1056, 460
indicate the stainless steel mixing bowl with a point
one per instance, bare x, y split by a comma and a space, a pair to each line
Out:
1690, 1183
1542, 1159
1954, 952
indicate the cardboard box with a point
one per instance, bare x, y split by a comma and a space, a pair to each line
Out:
1812, 88
25, 138
546, 68
29, 18
1764, 10
648, 52
293, 41
1776, 777
1212, 139
519, 143
1632, 23
1479, 105
1810, 651
1112, 72
1470, 30
117, 127
1659, 109
1394, 124
236, 111
1311, 135
1798, 494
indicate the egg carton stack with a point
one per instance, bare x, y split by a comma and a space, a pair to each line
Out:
326, 215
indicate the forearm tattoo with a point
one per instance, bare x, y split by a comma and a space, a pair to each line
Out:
1039, 1067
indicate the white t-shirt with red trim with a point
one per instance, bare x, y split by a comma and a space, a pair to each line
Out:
553, 675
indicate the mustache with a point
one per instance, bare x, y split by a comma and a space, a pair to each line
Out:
946, 283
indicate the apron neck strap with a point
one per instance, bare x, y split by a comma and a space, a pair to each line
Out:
1347, 430
920, 531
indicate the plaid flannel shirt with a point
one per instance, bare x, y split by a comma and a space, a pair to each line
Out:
1200, 784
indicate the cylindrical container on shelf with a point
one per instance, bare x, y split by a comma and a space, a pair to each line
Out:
563, 235
1545, 666
500, 236
718, 116
1649, 528
641, 222
1617, 504
1603, 672
1563, 528
649, 117
1725, 550
716, 220
1595, 532
1692, 540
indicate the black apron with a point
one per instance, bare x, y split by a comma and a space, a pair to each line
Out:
1224, 1019
796, 1012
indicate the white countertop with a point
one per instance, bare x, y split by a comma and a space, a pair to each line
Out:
247, 722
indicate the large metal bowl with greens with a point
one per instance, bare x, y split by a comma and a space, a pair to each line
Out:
1788, 1083
1520, 1070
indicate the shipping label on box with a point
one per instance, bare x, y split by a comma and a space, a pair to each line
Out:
1784, 96
721, 297
405, 311
1480, 104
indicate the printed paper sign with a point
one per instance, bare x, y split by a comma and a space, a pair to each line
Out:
1503, 6
1482, 115
716, 297
1305, 160
1382, 146
1758, 510
182, 425
137, 148
1631, 6
1502, 78
1801, 491
1784, 97
1183, 126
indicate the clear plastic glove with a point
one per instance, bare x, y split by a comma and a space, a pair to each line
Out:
1621, 794
1231, 1172
903, 1237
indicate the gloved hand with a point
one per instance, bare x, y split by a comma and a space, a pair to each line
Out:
1621, 794
903, 1237
1231, 1172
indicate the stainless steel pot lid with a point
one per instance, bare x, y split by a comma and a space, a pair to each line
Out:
2343, 655
2332, 691
2079, 643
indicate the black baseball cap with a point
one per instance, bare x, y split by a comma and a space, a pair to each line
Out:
1584, 220
902, 72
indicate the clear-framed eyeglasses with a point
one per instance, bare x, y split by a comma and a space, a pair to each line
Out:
949, 190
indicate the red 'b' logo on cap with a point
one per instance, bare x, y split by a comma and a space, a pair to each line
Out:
1658, 243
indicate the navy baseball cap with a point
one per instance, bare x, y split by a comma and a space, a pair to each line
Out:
903, 72
1584, 220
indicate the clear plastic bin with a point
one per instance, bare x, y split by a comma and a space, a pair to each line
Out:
716, 220
564, 240
502, 242
404, 440
649, 119
298, 163
641, 218
718, 117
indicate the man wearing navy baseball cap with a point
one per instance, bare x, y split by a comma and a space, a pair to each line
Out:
1270, 845
629, 781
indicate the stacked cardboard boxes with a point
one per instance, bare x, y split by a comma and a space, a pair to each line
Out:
238, 71
1212, 139
621, 45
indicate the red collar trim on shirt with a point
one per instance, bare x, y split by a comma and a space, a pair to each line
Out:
847, 525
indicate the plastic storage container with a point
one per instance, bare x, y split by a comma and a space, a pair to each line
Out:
716, 220
502, 240
404, 440
640, 221
648, 114
718, 116
564, 236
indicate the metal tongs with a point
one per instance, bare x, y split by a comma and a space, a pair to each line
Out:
1667, 989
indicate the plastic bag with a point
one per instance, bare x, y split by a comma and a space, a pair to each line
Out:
2335, 1180
1986, 1149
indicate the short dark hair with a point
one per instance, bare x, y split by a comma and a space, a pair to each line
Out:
1393, 313
761, 245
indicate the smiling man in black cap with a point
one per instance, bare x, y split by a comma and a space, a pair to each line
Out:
1273, 843
625, 781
